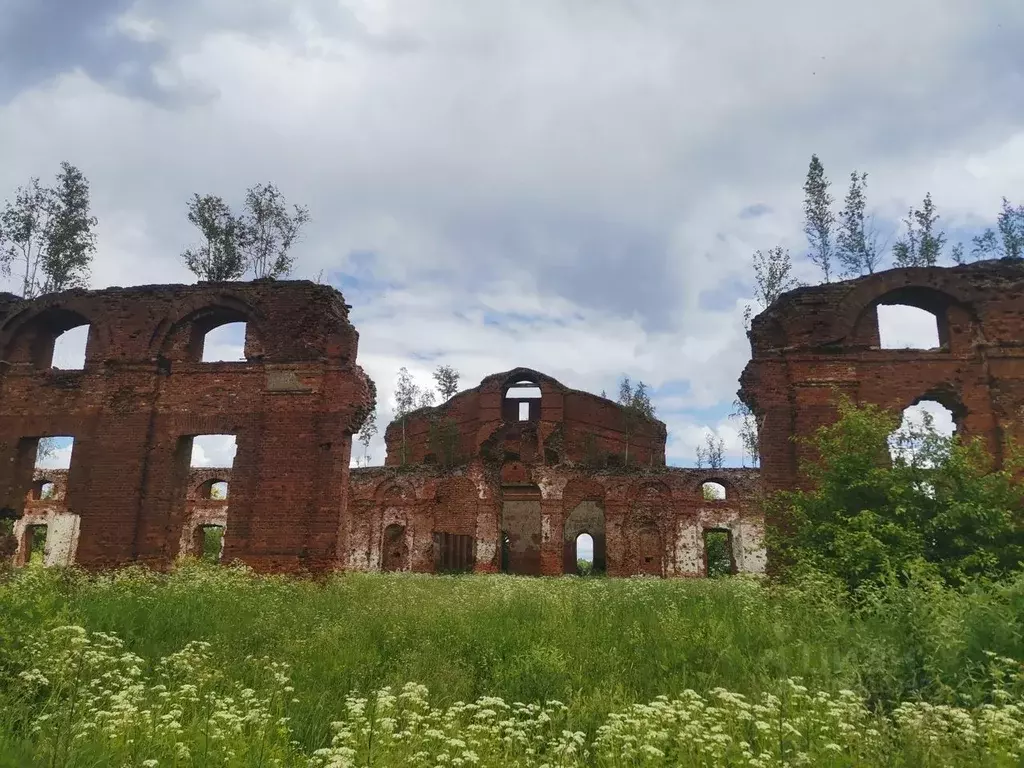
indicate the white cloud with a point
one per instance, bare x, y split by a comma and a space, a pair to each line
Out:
574, 171
213, 450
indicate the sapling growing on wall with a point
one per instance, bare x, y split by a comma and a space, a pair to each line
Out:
636, 407
406, 396
447, 379
921, 245
48, 232
268, 230
366, 434
711, 454
819, 219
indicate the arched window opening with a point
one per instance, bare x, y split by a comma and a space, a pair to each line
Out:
34, 544
522, 402
924, 431
718, 557
584, 554
901, 326
210, 542
224, 344
69, 349
712, 491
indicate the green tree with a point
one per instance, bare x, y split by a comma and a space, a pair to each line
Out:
267, 229
1010, 242
447, 379
366, 434
922, 243
857, 241
406, 395
879, 509
49, 232
636, 408
819, 219
219, 257
712, 453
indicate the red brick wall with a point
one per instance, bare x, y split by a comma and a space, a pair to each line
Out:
488, 427
292, 405
816, 341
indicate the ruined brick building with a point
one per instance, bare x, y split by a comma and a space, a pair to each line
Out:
502, 477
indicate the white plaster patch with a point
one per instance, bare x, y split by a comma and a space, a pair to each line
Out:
545, 528
552, 488
752, 557
688, 554
62, 530
485, 550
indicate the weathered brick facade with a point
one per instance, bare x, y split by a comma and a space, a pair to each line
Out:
816, 342
143, 395
488, 481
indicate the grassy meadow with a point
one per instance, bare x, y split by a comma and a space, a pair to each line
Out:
216, 666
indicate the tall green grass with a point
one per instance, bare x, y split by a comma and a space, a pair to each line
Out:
598, 645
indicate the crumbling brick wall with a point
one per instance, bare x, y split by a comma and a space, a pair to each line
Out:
564, 425
613, 506
143, 393
815, 342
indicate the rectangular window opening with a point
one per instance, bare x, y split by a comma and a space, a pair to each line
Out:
215, 454
718, 557
35, 544
524, 411
453, 553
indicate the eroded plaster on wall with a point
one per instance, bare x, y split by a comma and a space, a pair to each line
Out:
62, 532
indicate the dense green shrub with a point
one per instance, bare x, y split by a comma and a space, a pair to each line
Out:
934, 503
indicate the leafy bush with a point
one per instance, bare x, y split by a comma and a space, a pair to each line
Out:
935, 503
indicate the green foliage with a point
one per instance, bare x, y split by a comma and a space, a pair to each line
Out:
936, 504
819, 219
636, 408
922, 244
447, 380
716, 544
584, 567
213, 539
1010, 242
216, 665
267, 231
49, 231
257, 240
218, 257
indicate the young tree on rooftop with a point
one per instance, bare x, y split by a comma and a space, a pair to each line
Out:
447, 379
1010, 242
711, 454
857, 246
218, 258
366, 434
406, 396
818, 218
922, 243
49, 231
267, 230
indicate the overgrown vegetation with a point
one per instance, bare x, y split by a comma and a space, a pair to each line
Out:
887, 502
214, 665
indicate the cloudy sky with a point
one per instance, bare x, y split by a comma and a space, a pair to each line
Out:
571, 185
